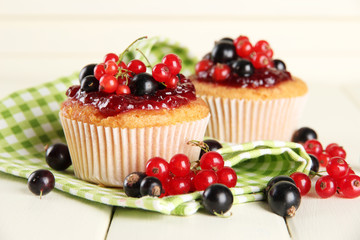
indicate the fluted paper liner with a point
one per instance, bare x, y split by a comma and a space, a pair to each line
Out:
105, 155
242, 120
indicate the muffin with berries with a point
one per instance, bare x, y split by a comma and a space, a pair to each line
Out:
251, 95
120, 116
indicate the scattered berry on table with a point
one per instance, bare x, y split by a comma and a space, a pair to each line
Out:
313, 146
132, 184
57, 156
157, 167
151, 186
178, 185
325, 186
212, 145
303, 134
349, 186
337, 168
302, 181
284, 198
278, 179
324, 158
179, 165
227, 176
217, 199
315, 165
212, 161
336, 151
204, 178
41, 182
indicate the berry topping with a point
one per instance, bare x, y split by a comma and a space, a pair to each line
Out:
244, 48
143, 84
279, 65
173, 62
203, 66
264, 47
99, 70
86, 71
111, 56
108, 83
220, 72
111, 68
123, 90
89, 84
161, 72
136, 66
57, 156
260, 60
41, 182
242, 68
223, 52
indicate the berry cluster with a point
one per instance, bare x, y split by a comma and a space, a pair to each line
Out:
237, 56
113, 75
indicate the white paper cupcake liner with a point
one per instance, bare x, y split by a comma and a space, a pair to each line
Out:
105, 155
239, 121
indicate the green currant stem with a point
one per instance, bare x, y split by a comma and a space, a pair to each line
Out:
223, 215
315, 174
147, 60
41, 192
127, 49
200, 144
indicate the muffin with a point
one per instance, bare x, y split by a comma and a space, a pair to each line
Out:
251, 95
115, 121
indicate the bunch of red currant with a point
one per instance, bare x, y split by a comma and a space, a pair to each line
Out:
238, 56
113, 75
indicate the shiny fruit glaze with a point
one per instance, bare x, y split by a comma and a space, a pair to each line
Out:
262, 77
110, 104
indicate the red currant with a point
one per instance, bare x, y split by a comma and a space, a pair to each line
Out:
123, 90
337, 168
330, 146
203, 65
136, 66
337, 151
108, 83
173, 62
179, 165
99, 71
323, 158
178, 185
204, 178
313, 147
227, 176
161, 72
191, 176
351, 172
325, 186
212, 160
111, 67
111, 56
122, 80
350, 186
302, 181
220, 72
264, 47
172, 82
122, 65
244, 48
240, 38
157, 167
260, 60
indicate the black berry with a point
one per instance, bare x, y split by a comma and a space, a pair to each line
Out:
58, 156
41, 182
143, 84
217, 199
212, 144
242, 67
132, 184
86, 71
223, 52
90, 84
227, 39
303, 134
284, 198
315, 165
279, 65
278, 179
151, 186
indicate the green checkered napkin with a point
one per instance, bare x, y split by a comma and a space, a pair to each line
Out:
29, 121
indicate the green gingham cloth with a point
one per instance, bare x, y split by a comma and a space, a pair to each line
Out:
29, 120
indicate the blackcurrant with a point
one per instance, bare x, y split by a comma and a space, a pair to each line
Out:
242, 67
212, 144
284, 198
86, 71
143, 84
58, 156
41, 182
90, 84
279, 65
278, 179
151, 186
227, 39
223, 52
315, 165
132, 184
217, 199
303, 134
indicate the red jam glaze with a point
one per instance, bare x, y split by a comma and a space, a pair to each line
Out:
110, 104
263, 77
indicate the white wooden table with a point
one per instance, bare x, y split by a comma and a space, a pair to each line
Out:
318, 40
